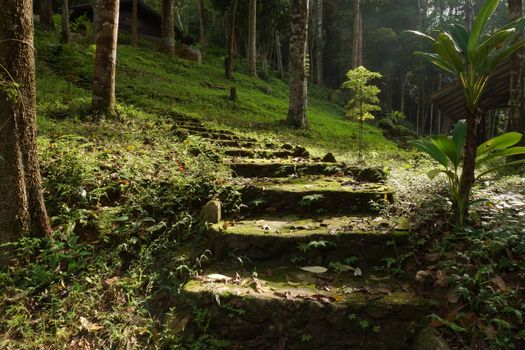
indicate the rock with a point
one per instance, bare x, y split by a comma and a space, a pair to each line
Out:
287, 147
429, 339
425, 277
300, 151
329, 158
188, 53
211, 212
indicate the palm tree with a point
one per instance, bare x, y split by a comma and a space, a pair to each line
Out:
472, 56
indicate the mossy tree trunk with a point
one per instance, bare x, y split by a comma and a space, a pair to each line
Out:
105, 56
252, 39
202, 25
167, 43
65, 21
230, 40
46, 15
297, 65
22, 209
134, 24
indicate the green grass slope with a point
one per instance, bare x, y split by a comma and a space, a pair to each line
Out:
158, 84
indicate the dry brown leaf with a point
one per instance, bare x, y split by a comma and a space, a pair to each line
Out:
498, 281
441, 279
89, 326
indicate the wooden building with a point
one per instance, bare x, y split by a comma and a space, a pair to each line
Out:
451, 99
148, 20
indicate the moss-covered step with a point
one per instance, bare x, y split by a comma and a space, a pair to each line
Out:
314, 194
365, 239
241, 144
283, 308
272, 169
258, 153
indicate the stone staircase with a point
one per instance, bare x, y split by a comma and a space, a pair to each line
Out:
307, 267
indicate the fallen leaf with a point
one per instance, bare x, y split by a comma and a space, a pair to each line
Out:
89, 326
314, 269
498, 280
358, 272
216, 277
441, 279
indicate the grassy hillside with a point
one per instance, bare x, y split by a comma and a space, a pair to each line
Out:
157, 84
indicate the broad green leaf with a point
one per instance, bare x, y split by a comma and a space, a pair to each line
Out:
432, 150
459, 136
513, 151
449, 52
448, 147
460, 35
419, 34
500, 142
480, 22
491, 170
435, 172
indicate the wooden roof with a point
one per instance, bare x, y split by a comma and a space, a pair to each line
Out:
451, 100
145, 14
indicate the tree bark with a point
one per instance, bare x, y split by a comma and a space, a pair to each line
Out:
105, 56
469, 13
22, 209
167, 41
252, 39
46, 15
297, 65
319, 44
517, 88
357, 42
231, 40
202, 25
65, 22
279, 54
134, 24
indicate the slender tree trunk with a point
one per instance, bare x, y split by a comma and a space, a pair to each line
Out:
252, 39
231, 40
95, 19
357, 41
516, 98
297, 65
319, 44
134, 24
279, 54
202, 25
403, 92
22, 209
65, 22
469, 13
467, 178
105, 56
46, 15
167, 40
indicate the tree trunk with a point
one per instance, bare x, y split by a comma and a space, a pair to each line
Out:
279, 55
105, 56
516, 98
134, 24
167, 40
467, 178
46, 15
202, 25
95, 20
65, 22
231, 40
403, 93
319, 44
357, 41
252, 39
297, 65
22, 209
469, 13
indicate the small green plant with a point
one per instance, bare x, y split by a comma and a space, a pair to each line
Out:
308, 201
364, 99
447, 151
307, 246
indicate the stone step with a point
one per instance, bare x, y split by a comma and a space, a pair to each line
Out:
283, 307
241, 144
314, 194
274, 169
261, 153
322, 240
